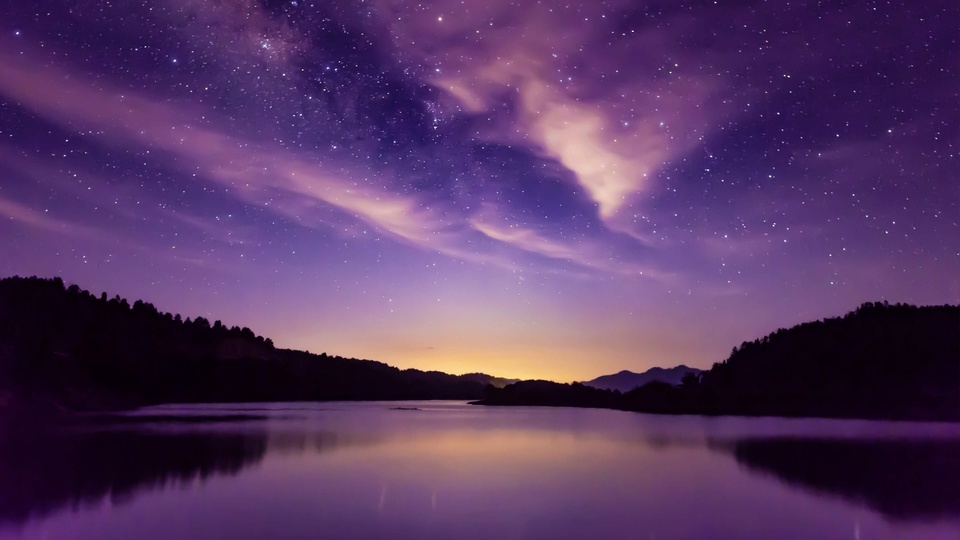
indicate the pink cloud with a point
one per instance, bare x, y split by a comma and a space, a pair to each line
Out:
42, 220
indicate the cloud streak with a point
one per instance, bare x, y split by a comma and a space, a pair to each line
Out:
42, 220
270, 177
614, 129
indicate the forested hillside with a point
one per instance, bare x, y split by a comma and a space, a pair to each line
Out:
66, 347
878, 361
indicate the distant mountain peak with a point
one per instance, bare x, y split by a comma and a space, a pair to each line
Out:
627, 380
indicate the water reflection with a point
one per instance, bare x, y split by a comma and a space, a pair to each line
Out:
44, 471
903, 479
295, 442
453, 471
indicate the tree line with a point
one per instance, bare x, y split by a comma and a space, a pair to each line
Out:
882, 360
65, 346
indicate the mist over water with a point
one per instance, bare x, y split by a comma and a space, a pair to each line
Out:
449, 470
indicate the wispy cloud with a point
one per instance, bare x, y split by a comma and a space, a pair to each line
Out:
285, 182
43, 220
581, 250
268, 176
613, 129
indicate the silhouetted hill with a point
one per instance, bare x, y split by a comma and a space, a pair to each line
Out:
879, 361
64, 348
484, 379
625, 381
551, 394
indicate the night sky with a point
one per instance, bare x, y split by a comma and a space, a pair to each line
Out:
530, 189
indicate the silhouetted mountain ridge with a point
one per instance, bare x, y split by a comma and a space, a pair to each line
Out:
625, 380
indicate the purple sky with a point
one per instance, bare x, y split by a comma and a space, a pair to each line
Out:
552, 190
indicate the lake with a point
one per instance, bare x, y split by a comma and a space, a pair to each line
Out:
450, 470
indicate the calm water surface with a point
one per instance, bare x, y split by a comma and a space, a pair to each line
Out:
450, 470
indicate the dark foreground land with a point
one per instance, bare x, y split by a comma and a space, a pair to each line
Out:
65, 349
62, 348
897, 362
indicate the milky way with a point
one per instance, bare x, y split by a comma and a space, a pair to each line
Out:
532, 189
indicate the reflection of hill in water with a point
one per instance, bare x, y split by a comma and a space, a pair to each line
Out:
42, 473
298, 442
903, 479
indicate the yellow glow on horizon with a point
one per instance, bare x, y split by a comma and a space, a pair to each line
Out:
557, 363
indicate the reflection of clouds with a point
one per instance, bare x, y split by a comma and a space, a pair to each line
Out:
296, 442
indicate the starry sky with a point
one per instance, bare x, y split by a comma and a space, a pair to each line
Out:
530, 189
